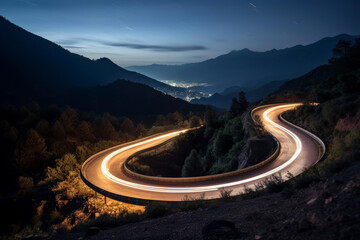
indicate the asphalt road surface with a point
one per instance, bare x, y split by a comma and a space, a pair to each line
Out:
299, 150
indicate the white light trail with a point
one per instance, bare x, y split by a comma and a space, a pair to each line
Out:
215, 187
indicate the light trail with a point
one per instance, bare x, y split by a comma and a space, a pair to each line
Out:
215, 187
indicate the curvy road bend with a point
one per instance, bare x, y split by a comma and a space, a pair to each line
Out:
298, 151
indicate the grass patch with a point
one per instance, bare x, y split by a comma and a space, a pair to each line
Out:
193, 203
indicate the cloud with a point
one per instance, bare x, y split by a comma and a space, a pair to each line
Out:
70, 46
158, 48
253, 6
129, 28
67, 42
74, 42
27, 2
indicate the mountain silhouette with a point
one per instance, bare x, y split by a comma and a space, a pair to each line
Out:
246, 68
41, 67
123, 98
35, 69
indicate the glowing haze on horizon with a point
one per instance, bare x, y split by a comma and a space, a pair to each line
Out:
140, 32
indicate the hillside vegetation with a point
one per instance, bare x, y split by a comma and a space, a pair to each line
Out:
42, 150
337, 119
224, 144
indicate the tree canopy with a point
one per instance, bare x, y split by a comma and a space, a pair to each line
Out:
192, 166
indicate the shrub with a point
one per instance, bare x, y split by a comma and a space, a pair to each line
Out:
307, 177
275, 183
25, 184
62, 168
195, 121
156, 209
135, 166
225, 194
192, 203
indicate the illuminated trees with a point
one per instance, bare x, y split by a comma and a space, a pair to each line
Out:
105, 130
127, 126
69, 120
58, 131
25, 185
140, 130
175, 119
195, 121
62, 168
84, 133
43, 128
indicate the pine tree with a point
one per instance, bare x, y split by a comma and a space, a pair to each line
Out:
58, 131
192, 166
69, 119
32, 154
238, 106
127, 126
84, 132
210, 116
106, 130
243, 103
43, 128
140, 130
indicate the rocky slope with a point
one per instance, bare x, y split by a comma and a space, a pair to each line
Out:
329, 209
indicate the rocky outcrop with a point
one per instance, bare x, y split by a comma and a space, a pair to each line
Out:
256, 150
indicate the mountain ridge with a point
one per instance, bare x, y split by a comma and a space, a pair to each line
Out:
50, 65
247, 68
35, 69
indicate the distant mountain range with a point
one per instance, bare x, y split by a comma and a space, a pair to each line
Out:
35, 69
246, 68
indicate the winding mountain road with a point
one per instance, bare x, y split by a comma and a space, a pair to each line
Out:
105, 172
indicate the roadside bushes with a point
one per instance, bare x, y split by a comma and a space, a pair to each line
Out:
274, 183
225, 194
137, 167
25, 185
192, 203
156, 209
344, 150
62, 168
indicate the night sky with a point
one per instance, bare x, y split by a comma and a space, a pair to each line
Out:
138, 32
